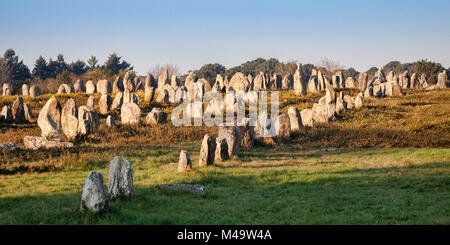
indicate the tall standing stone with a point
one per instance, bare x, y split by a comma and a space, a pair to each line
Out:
104, 104
25, 90
299, 86
104, 87
69, 119
233, 136
121, 179
90, 87
34, 91
18, 110
295, 119
49, 119
207, 151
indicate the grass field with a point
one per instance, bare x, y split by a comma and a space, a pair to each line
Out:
386, 163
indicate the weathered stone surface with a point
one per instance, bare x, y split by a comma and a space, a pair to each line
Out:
49, 119
283, 125
28, 112
207, 151
287, 82
104, 104
36, 143
7, 89
368, 92
135, 99
149, 93
259, 82
69, 119
90, 87
330, 95
359, 101
233, 136
104, 87
121, 179
110, 122
397, 90
306, 116
350, 83
295, 119
156, 116
265, 127
442, 80
87, 120
239, 82
90, 101
163, 96
78, 87
34, 91
221, 152
299, 85
6, 114
68, 88
349, 102
128, 82
61, 89
8, 146
184, 163
130, 113
247, 135
117, 85
94, 196
163, 79
362, 81
338, 80
117, 102
25, 90
18, 110
340, 105
195, 189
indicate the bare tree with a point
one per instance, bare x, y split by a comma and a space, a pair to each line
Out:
156, 70
329, 66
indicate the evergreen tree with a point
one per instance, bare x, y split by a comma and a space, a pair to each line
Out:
78, 67
40, 68
92, 62
114, 64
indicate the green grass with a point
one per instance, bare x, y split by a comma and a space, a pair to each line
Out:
290, 185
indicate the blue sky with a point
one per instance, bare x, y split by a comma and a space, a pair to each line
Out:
358, 34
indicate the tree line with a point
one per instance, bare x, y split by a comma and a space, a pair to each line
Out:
58, 71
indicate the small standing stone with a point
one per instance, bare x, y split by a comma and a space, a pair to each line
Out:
95, 195
184, 163
221, 150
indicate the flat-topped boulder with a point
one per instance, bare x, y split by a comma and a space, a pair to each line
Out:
39, 142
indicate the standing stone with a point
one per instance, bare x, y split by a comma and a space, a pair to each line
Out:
240, 82
156, 116
117, 85
34, 91
359, 101
350, 83
78, 87
207, 151
350, 103
49, 119
294, 117
69, 119
149, 93
118, 100
362, 81
130, 113
61, 89
121, 179
306, 116
68, 88
87, 120
7, 89
287, 82
163, 96
18, 111
397, 90
104, 87
184, 163
221, 150
247, 135
37, 142
28, 112
233, 136
283, 125
104, 104
90, 101
299, 86
330, 95
90, 87
110, 122
94, 196
163, 79
25, 90
6, 114
442, 80
340, 104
